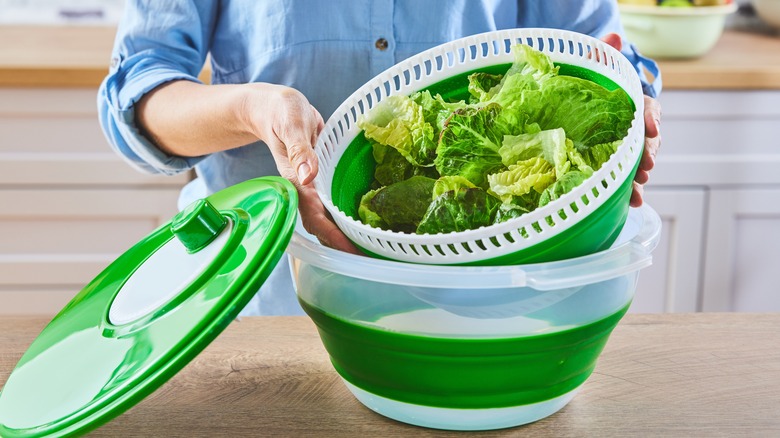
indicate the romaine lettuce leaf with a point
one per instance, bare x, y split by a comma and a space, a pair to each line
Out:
592, 158
588, 112
529, 71
402, 205
563, 185
549, 144
399, 122
367, 215
469, 143
459, 210
449, 183
435, 110
531, 174
392, 167
483, 86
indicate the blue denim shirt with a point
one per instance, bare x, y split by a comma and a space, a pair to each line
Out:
325, 49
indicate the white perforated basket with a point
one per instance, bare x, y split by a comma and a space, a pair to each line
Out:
451, 59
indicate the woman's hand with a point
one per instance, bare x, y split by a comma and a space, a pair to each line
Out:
189, 119
285, 120
652, 134
652, 145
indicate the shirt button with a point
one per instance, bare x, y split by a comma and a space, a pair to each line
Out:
381, 44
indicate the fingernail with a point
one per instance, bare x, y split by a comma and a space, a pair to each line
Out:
303, 172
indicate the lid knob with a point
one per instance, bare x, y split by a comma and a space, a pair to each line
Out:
197, 225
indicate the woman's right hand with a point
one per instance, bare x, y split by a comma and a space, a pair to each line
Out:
190, 119
285, 120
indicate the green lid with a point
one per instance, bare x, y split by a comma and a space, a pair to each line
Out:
150, 312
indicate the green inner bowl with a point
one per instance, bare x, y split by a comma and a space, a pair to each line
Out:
355, 172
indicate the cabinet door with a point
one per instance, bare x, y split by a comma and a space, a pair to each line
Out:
743, 251
52, 243
671, 284
717, 138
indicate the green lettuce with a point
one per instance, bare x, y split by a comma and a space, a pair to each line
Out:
449, 183
562, 186
435, 110
461, 209
470, 141
591, 159
483, 86
522, 139
531, 174
529, 71
392, 167
399, 122
367, 215
401, 205
588, 113
549, 144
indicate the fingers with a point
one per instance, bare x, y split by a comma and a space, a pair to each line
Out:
613, 40
652, 118
652, 134
295, 126
318, 222
636, 195
642, 176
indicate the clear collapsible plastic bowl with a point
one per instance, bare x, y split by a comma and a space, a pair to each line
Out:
469, 348
583, 221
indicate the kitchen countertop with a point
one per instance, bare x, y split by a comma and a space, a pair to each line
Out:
705, 374
739, 60
71, 56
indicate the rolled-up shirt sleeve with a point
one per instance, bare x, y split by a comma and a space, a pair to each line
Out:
156, 42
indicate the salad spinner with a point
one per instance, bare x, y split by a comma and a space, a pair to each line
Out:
585, 220
469, 347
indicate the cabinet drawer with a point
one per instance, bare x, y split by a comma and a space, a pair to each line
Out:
53, 137
54, 242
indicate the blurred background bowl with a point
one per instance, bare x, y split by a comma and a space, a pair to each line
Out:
768, 11
674, 32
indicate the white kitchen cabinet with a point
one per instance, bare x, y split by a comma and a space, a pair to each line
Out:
717, 187
670, 285
68, 204
743, 251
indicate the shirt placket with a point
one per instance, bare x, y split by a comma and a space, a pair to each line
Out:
382, 54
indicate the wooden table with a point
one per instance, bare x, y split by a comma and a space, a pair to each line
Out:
660, 375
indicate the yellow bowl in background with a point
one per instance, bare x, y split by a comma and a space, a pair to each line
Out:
674, 32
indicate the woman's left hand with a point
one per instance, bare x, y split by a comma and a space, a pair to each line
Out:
652, 134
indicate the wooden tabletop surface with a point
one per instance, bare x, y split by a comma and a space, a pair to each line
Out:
74, 56
739, 60
670, 375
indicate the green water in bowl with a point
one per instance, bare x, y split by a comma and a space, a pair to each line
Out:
354, 174
471, 373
